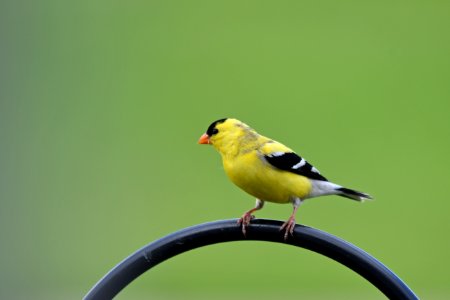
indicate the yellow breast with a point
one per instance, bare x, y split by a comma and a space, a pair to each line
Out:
261, 180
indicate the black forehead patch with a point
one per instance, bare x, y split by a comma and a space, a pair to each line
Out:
212, 128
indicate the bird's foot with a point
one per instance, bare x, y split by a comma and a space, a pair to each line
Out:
244, 221
289, 226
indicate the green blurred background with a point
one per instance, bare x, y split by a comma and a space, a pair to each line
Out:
102, 104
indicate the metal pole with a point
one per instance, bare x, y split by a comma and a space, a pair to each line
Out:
259, 230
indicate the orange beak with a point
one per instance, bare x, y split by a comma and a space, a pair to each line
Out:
204, 139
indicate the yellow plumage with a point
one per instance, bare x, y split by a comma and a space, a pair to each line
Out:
242, 150
249, 172
268, 170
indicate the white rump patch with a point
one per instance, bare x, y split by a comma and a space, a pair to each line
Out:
321, 188
299, 165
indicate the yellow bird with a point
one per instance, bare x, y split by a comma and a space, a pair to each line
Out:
268, 170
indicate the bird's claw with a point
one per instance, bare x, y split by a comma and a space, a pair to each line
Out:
244, 221
289, 226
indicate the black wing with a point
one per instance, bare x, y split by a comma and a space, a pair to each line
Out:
289, 161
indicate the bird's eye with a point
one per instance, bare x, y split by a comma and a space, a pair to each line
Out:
215, 130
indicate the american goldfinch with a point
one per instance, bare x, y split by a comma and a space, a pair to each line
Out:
268, 170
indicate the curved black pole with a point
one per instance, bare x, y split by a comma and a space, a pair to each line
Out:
259, 230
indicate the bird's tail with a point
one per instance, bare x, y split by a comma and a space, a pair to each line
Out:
352, 194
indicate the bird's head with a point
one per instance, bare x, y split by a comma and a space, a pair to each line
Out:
226, 134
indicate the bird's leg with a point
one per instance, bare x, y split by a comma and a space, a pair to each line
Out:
289, 225
246, 217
